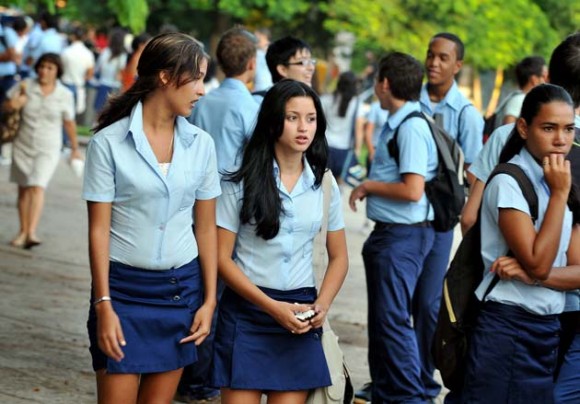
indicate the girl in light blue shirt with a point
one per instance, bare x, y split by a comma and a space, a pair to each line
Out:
148, 171
269, 213
513, 348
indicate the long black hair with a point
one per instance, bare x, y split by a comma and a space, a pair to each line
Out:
345, 91
178, 54
262, 205
535, 99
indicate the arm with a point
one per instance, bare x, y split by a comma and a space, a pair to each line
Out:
206, 237
536, 251
333, 277
282, 312
471, 208
567, 278
358, 134
411, 188
109, 331
509, 119
70, 127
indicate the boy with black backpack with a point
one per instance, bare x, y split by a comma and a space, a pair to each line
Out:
395, 252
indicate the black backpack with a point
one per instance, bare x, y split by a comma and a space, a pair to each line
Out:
445, 191
459, 305
490, 123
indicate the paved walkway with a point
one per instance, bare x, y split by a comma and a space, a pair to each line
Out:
44, 300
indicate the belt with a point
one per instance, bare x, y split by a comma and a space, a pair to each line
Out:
384, 226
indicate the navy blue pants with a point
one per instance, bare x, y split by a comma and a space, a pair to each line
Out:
512, 357
568, 383
394, 259
426, 301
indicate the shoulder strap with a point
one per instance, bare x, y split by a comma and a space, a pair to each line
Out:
393, 146
260, 93
319, 251
523, 181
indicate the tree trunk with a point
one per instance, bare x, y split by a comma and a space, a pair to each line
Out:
494, 100
477, 100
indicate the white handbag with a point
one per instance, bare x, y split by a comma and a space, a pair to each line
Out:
341, 390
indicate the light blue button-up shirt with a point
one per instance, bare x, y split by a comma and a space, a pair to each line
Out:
284, 262
460, 121
228, 114
488, 158
417, 155
151, 214
504, 192
10, 36
49, 41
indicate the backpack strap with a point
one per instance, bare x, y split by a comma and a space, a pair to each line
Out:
393, 145
261, 93
529, 193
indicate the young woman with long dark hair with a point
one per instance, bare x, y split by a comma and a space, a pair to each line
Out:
270, 211
148, 171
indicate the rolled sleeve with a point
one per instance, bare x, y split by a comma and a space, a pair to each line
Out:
210, 186
335, 217
471, 133
228, 206
99, 174
414, 146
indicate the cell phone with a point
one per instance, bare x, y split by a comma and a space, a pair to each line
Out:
305, 315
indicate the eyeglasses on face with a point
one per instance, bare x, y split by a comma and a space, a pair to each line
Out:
303, 62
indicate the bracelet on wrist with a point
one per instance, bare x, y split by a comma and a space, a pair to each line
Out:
102, 299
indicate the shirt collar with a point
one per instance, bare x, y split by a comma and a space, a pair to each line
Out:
452, 98
307, 178
235, 84
395, 119
184, 131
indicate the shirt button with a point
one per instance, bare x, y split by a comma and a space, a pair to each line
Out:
176, 298
162, 227
286, 259
173, 281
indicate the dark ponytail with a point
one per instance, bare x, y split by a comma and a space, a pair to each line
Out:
179, 55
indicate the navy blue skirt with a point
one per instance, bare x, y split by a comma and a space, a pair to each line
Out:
253, 352
512, 356
156, 310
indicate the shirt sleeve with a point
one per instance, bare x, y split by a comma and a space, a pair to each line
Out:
514, 106
99, 173
335, 217
503, 192
470, 133
11, 37
416, 144
488, 158
228, 207
210, 185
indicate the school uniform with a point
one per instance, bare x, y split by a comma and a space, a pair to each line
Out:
155, 279
464, 123
251, 350
229, 115
519, 321
488, 158
394, 258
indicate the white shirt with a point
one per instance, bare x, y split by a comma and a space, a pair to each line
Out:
77, 59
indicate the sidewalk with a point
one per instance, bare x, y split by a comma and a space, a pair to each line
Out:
44, 354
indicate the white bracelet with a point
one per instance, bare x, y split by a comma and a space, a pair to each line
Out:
102, 299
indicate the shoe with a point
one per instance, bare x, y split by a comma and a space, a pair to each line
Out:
364, 395
32, 242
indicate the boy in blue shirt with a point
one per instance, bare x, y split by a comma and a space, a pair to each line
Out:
395, 252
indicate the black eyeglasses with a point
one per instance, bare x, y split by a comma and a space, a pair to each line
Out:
303, 62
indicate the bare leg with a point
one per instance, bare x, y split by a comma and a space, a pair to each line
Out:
36, 205
117, 388
159, 388
23, 214
287, 397
231, 396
